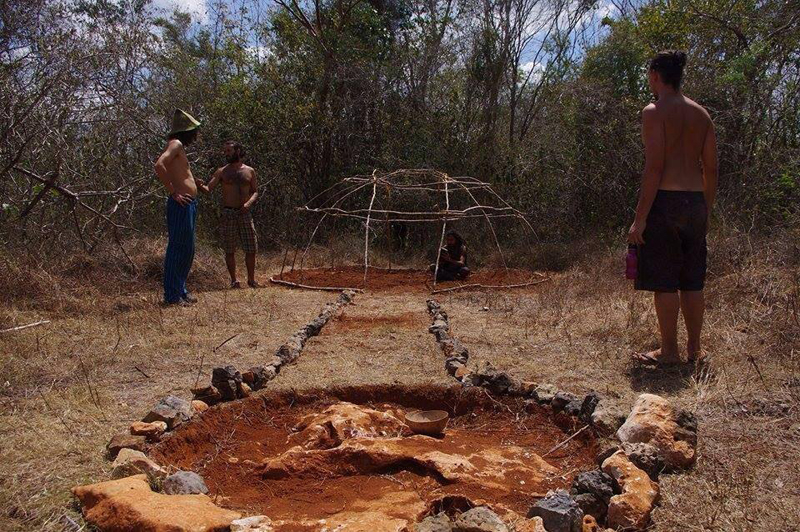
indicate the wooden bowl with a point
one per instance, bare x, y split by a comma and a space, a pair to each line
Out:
429, 422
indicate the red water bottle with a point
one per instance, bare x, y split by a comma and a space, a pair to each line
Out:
631, 262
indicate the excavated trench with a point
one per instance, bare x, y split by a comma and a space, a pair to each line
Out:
323, 459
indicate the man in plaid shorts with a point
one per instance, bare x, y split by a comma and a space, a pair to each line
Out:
239, 193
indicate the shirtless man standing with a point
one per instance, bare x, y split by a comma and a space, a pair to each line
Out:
172, 168
239, 193
678, 190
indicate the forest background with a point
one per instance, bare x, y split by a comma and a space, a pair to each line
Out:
541, 98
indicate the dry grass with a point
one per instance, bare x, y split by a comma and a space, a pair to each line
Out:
67, 387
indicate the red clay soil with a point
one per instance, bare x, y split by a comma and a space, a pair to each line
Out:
227, 444
345, 322
400, 280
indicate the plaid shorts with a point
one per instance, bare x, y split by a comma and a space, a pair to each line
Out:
237, 226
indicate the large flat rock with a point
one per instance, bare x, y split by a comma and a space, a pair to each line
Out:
129, 505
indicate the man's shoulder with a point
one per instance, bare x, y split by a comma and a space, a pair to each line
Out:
693, 104
650, 109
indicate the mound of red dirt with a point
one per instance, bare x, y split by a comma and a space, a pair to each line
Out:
339, 457
401, 280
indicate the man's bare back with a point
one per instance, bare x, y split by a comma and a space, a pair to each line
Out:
173, 170
686, 127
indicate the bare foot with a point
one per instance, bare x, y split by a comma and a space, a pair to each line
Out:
657, 358
253, 284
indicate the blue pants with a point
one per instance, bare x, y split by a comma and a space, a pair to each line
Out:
180, 249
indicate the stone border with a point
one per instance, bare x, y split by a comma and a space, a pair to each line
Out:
622, 492
227, 384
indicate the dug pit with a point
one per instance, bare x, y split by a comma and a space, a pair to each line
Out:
343, 458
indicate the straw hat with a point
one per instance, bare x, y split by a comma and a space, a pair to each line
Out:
183, 121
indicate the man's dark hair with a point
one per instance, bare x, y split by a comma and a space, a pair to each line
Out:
669, 65
186, 137
459, 239
236, 146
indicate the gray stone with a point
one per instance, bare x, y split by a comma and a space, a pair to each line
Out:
261, 376
171, 410
545, 393
559, 512
479, 519
588, 406
562, 400
184, 483
596, 483
125, 441
228, 381
591, 505
607, 418
646, 457
434, 523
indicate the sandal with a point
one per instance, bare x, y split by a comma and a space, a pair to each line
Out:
654, 358
235, 284
253, 284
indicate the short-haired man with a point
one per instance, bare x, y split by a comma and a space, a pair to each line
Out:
239, 193
172, 168
678, 190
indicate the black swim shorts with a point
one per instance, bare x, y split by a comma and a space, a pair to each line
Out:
673, 256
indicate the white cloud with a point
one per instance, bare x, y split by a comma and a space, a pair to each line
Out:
197, 8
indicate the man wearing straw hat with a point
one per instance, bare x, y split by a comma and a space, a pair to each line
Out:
172, 168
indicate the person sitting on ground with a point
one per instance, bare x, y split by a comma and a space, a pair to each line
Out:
452, 259
239, 193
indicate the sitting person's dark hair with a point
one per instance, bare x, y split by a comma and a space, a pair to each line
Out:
452, 259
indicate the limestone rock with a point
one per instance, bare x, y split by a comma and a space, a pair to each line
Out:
479, 519
590, 525
545, 393
245, 390
208, 394
607, 448
501, 469
534, 524
130, 504
171, 410
256, 523
559, 512
184, 483
151, 431
646, 457
343, 421
631, 509
130, 462
199, 406
653, 420
125, 441
434, 523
